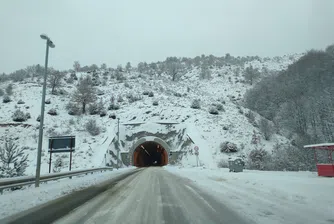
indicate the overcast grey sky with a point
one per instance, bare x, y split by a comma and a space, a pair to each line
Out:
114, 32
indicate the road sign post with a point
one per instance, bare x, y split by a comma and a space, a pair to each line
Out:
61, 144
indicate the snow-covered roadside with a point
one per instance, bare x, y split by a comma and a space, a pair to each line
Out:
12, 202
268, 197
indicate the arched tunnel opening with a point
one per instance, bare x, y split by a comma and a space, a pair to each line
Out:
150, 153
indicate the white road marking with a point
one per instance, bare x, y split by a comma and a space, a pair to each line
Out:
199, 196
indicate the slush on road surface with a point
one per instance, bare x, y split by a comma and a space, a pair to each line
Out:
153, 196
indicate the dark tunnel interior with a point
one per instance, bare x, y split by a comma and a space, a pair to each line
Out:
150, 154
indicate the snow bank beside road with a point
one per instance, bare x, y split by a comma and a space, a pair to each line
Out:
269, 197
12, 202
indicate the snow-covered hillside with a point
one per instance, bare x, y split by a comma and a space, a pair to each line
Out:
174, 104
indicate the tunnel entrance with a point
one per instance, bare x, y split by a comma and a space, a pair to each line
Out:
150, 153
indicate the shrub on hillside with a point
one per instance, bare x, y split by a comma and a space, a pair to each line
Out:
92, 128
73, 109
127, 85
48, 101
99, 92
113, 106
228, 147
155, 103
6, 99
213, 110
120, 99
19, 116
93, 109
9, 89
74, 76
71, 122
59, 92
196, 104
220, 107
20, 102
259, 159
120, 76
28, 116
133, 98
222, 164
221, 99
53, 112
151, 94
70, 80
103, 113
38, 118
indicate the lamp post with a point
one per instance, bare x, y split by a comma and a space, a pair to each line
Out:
49, 43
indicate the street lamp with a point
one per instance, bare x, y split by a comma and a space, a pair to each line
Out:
49, 43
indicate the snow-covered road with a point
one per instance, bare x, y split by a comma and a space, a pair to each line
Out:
191, 195
268, 197
153, 196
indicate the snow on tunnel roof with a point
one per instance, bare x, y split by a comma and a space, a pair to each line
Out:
327, 146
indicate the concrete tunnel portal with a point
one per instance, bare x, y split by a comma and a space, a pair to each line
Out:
150, 151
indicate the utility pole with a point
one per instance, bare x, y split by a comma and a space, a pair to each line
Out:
118, 144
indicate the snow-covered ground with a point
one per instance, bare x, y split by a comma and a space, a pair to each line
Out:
12, 202
268, 197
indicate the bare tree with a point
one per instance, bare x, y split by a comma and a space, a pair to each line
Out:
330, 50
18, 75
205, 73
197, 61
251, 74
54, 80
13, 160
173, 67
93, 67
76, 66
33, 71
128, 67
141, 67
119, 68
85, 93
153, 66
104, 66
160, 69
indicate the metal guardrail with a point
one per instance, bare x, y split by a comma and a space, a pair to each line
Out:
6, 183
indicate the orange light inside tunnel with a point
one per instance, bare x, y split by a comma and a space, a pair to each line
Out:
150, 154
